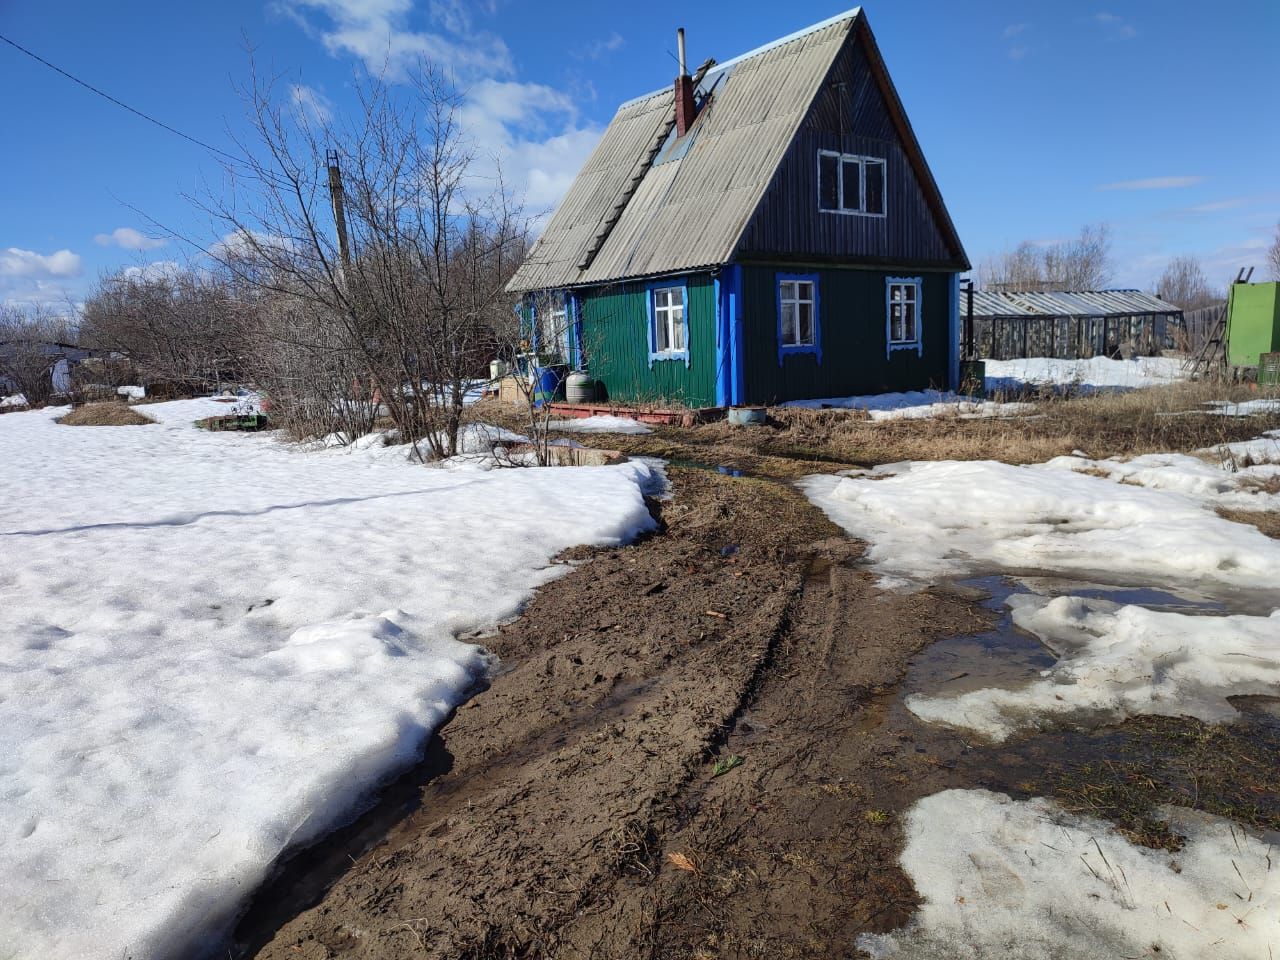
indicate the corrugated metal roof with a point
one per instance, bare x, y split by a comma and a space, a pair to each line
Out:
1084, 303
692, 205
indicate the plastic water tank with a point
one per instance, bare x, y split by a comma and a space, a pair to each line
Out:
580, 387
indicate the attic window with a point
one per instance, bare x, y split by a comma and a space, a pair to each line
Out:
850, 184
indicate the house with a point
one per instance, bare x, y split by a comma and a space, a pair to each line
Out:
765, 230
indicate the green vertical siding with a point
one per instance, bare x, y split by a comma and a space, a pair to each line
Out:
851, 314
1253, 324
615, 335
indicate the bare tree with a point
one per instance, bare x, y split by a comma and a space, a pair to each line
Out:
1273, 256
411, 303
1080, 264
176, 327
1183, 283
30, 348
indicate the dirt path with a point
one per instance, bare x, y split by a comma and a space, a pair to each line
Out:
740, 629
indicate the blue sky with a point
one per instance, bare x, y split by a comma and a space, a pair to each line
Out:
1156, 117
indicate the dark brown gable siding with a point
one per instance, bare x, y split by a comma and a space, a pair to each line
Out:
849, 115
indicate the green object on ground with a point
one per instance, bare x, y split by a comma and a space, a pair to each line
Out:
1253, 322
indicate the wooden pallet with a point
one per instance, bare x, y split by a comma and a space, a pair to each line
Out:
675, 417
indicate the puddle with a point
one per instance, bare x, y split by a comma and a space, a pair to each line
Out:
721, 468
1040, 762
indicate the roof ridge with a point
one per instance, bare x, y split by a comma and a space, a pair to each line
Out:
763, 48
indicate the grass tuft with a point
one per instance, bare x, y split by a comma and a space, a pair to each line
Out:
104, 415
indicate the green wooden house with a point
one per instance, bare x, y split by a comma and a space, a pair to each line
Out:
765, 230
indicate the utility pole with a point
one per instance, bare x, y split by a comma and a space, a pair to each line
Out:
339, 210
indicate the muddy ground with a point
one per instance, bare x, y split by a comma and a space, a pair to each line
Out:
581, 815
696, 747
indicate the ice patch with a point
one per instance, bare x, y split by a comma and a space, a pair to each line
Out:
1005, 878
1119, 661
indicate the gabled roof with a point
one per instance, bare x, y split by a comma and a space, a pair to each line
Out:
1010, 305
688, 207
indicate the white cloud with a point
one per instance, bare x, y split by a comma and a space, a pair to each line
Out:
128, 238
1153, 183
1017, 53
597, 49
379, 33
27, 263
311, 102
156, 270
532, 131
27, 277
1115, 27
1013, 30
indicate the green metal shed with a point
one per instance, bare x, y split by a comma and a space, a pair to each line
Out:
1253, 322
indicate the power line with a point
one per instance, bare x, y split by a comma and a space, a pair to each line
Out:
119, 103
145, 116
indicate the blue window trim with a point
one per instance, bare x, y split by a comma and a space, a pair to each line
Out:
918, 343
654, 353
788, 350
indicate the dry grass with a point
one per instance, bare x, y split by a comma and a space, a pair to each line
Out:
1172, 418
104, 415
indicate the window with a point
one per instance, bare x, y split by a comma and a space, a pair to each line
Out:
903, 313
799, 330
668, 325
850, 184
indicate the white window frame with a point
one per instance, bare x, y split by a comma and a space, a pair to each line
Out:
796, 301
862, 162
669, 321
916, 286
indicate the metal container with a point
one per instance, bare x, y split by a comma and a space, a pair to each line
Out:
580, 387
747, 416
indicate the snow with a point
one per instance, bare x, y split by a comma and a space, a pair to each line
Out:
131, 392
1118, 661
1246, 408
928, 520
917, 405
1005, 878
601, 423
216, 645
1095, 372
14, 400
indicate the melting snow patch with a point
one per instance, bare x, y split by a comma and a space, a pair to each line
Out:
926, 520
917, 405
1005, 878
216, 645
1118, 661
1095, 373
601, 423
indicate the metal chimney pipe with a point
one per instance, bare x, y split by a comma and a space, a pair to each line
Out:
680, 47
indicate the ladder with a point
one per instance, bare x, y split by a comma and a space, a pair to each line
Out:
1210, 361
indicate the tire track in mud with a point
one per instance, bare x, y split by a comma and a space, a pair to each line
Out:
741, 627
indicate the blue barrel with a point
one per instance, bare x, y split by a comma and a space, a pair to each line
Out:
547, 384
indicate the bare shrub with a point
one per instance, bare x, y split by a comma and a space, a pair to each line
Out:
28, 351
400, 318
